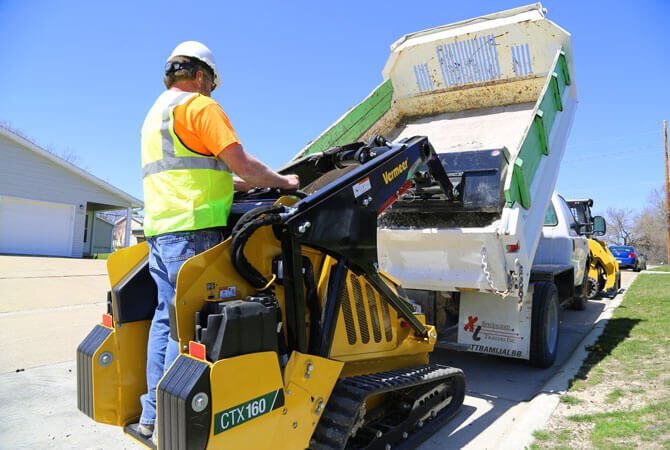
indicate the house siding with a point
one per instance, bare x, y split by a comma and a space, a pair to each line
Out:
26, 174
102, 239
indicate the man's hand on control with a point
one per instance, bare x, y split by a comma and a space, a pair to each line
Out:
288, 182
291, 182
240, 185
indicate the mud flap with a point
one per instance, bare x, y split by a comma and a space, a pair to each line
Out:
493, 325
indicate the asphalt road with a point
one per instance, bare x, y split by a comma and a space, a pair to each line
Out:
48, 305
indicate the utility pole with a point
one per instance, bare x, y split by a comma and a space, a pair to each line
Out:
667, 189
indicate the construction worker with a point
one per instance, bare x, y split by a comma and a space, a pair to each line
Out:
189, 154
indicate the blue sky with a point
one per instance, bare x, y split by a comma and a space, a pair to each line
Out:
79, 77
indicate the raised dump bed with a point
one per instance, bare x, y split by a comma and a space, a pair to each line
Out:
496, 97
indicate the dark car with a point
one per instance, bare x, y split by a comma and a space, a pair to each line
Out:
628, 257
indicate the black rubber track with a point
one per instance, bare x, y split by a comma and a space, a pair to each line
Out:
342, 411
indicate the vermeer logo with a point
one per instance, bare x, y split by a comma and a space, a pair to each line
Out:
393, 174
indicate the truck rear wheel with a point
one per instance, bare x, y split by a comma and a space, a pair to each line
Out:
544, 325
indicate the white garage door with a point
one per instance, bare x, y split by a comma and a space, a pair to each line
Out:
32, 227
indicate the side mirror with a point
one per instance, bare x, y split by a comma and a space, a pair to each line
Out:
582, 229
599, 226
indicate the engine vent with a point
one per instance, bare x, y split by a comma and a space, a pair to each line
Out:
348, 317
359, 301
374, 316
366, 303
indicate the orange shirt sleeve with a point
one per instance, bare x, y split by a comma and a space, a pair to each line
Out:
203, 127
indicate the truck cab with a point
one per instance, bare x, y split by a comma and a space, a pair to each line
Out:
563, 242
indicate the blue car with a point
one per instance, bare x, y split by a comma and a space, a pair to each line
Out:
627, 257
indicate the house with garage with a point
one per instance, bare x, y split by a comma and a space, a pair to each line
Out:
120, 229
48, 206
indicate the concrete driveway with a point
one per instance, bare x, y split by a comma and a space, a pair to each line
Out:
48, 305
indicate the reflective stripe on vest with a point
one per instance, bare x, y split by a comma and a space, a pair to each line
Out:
183, 190
172, 162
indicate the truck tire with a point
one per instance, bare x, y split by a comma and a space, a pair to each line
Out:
544, 325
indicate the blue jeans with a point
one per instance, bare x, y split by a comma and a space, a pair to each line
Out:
167, 253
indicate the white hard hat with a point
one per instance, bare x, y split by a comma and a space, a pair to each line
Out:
195, 49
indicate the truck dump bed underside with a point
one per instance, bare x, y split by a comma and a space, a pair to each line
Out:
476, 129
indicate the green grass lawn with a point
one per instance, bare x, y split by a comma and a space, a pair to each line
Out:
663, 268
624, 381
625, 429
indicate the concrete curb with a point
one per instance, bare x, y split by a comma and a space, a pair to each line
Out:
540, 409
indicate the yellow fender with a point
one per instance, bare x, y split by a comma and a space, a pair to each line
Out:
603, 270
254, 407
111, 366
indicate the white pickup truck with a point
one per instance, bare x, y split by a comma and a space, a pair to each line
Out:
563, 244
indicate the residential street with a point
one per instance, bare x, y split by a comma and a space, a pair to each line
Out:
48, 305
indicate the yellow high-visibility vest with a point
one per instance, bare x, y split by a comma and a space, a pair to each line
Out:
183, 190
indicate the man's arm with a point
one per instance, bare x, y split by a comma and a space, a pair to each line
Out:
253, 172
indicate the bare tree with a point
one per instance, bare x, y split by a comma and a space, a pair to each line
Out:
646, 231
8, 125
650, 227
68, 154
620, 225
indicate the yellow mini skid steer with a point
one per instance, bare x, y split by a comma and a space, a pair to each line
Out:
604, 275
290, 337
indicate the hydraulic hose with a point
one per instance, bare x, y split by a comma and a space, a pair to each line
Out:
254, 213
246, 226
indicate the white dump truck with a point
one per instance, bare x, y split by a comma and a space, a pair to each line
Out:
496, 97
